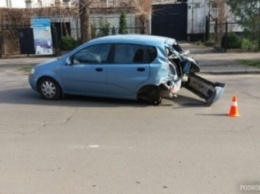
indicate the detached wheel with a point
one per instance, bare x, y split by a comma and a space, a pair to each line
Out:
49, 89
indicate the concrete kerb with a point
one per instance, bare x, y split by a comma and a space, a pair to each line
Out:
22, 62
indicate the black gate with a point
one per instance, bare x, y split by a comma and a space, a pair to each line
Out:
170, 20
26, 41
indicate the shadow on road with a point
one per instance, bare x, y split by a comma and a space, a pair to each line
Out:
213, 115
182, 101
25, 96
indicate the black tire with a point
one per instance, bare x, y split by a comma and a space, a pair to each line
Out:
154, 96
49, 89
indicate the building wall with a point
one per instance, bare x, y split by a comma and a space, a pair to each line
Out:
113, 19
2, 4
12, 3
197, 11
42, 3
27, 3
164, 1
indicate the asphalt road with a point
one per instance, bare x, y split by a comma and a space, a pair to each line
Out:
86, 146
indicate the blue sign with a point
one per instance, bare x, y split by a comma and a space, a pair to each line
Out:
42, 36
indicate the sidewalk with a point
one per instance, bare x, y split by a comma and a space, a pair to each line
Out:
209, 61
22, 61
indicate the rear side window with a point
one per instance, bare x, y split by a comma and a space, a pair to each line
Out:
129, 54
152, 53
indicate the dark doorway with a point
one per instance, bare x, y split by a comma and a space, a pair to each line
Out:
26, 41
170, 20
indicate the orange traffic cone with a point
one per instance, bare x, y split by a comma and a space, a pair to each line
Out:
233, 109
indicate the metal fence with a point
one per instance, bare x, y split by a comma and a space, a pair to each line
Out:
9, 43
98, 32
215, 31
9, 36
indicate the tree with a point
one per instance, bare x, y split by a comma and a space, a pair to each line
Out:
103, 27
219, 19
143, 9
122, 24
85, 24
248, 16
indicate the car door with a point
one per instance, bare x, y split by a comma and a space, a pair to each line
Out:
87, 73
128, 71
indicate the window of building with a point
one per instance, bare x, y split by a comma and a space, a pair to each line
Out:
8, 3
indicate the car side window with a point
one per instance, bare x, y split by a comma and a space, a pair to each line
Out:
152, 53
95, 54
129, 54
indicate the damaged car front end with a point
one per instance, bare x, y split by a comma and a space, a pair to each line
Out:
182, 74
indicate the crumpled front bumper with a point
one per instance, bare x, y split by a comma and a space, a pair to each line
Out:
209, 91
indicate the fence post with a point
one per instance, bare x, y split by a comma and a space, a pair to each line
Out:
207, 28
1, 46
226, 36
57, 44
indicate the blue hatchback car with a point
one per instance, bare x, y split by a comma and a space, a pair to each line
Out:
119, 66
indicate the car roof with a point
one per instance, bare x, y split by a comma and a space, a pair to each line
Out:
134, 39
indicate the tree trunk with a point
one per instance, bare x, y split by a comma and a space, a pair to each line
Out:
85, 26
143, 23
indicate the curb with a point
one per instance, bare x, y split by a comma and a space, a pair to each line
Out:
230, 72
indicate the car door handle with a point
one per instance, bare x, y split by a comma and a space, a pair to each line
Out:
140, 69
99, 69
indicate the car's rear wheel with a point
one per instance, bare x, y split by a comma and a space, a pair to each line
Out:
154, 96
150, 94
49, 89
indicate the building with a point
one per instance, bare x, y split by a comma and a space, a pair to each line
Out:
12, 4
31, 3
44, 3
179, 19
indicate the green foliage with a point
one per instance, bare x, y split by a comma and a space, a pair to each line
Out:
93, 30
68, 43
248, 44
210, 43
26, 69
248, 16
199, 43
113, 30
122, 24
253, 63
103, 27
231, 41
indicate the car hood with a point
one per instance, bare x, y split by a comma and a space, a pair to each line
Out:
52, 62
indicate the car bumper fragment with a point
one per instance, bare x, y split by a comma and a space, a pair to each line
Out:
205, 89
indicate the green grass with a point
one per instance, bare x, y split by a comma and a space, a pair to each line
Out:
250, 62
26, 69
198, 43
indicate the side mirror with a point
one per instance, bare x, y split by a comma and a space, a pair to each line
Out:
68, 61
